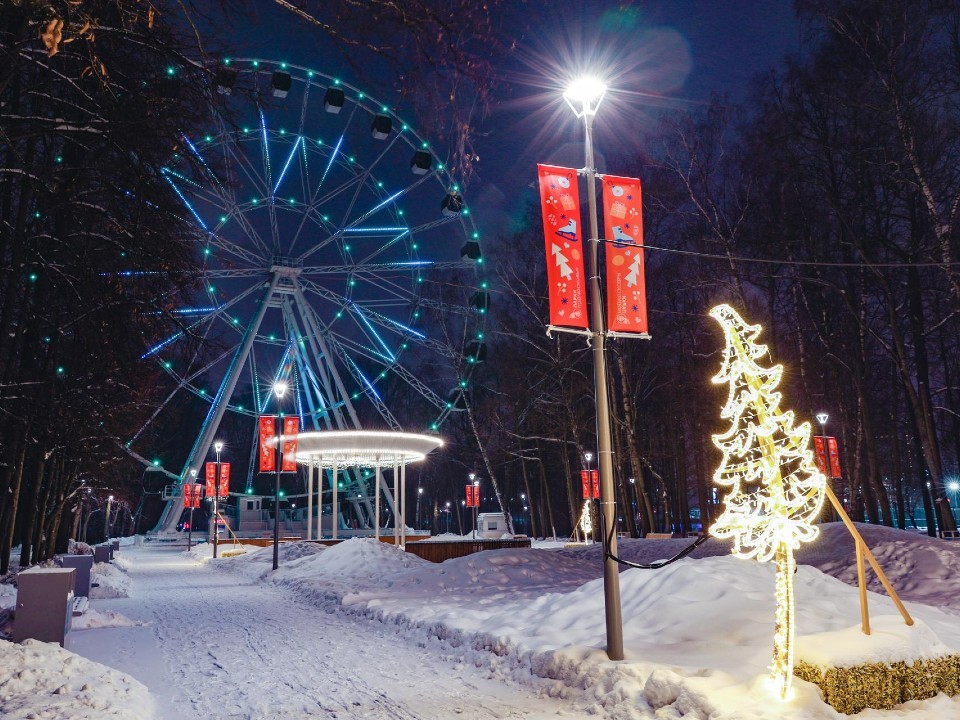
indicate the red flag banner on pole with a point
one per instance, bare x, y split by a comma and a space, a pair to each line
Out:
833, 452
224, 479
585, 484
623, 231
291, 426
563, 236
820, 451
268, 434
211, 478
191, 495
473, 496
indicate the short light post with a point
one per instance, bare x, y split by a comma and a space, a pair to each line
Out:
584, 96
217, 447
419, 494
523, 516
193, 487
476, 505
106, 519
279, 390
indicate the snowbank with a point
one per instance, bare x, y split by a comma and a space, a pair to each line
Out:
42, 680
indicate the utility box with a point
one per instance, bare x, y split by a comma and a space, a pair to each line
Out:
114, 547
83, 564
101, 553
44, 604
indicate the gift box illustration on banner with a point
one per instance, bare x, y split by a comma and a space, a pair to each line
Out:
567, 202
618, 210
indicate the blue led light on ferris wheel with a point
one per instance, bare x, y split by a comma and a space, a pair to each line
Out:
266, 146
397, 228
359, 313
364, 378
283, 172
186, 202
385, 202
196, 154
159, 346
333, 156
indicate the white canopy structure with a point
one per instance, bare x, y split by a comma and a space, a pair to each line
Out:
378, 449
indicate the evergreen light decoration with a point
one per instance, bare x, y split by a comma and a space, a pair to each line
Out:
586, 524
776, 491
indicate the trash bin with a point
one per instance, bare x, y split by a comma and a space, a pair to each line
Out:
82, 564
101, 553
44, 604
115, 547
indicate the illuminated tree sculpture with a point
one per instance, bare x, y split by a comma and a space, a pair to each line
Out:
776, 491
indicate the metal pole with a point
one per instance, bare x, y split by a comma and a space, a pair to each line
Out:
276, 492
190, 527
216, 498
106, 521
310, 469
403, 505
336, 510
611, 573
396, 506
376, 501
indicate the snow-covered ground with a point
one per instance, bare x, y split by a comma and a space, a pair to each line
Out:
363, 630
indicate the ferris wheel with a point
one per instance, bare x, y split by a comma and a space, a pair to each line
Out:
337, 255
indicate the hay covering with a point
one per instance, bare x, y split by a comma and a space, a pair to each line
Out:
881, 686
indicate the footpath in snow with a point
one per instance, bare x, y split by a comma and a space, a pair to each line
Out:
363, 630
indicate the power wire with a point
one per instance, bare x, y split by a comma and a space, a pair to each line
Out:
646, 566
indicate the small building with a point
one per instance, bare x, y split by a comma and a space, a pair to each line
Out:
492, 526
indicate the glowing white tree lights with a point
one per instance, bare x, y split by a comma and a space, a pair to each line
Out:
776, 491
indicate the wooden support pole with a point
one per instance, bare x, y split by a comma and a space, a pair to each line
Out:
869, 555
862, 584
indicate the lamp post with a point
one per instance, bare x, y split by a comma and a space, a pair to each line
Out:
447, 510
523, 517
584, 97
476, 506
217, 447
419, 493
822, 418
106, 519
193, 487
279, 389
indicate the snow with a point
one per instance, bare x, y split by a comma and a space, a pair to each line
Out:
362, 629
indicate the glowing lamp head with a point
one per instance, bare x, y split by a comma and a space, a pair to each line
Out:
193, 473
218, 446
588, 456
953, 486
822, 418
280, 389
584, 94
472, 476
110, 498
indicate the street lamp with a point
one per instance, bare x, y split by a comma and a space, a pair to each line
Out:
106, 520
279, 389
523, 517
584, 96
447, 510
217, 447
419, 493
476, 505
193, 487
822, 418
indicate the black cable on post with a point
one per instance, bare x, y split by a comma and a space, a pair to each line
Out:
607, 537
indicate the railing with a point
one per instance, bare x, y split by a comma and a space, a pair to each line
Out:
445, 550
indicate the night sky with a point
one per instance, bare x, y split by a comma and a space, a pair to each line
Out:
669, 54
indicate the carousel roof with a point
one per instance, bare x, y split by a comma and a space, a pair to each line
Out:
364, 448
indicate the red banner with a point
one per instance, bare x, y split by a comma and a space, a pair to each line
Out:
473, 496
191, 495
833, 452
820, 452
211, 478
590, 484
268, 434
623, 228
563, 235
291, 426
224, 479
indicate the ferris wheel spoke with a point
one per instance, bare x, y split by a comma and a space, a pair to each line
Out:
368, 388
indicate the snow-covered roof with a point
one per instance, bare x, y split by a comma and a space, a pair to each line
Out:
364, 448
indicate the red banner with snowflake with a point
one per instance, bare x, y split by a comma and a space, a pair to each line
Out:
473, 496
268, 435
563, 236
210, 476
224, 480
291, 426
623, 227
820, 454
191, 495
590, 484
833, 453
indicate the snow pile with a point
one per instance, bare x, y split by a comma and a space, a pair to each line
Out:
93, 619
110, 580
890, 640
42, 680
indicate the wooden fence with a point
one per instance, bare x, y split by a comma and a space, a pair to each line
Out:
443, 550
